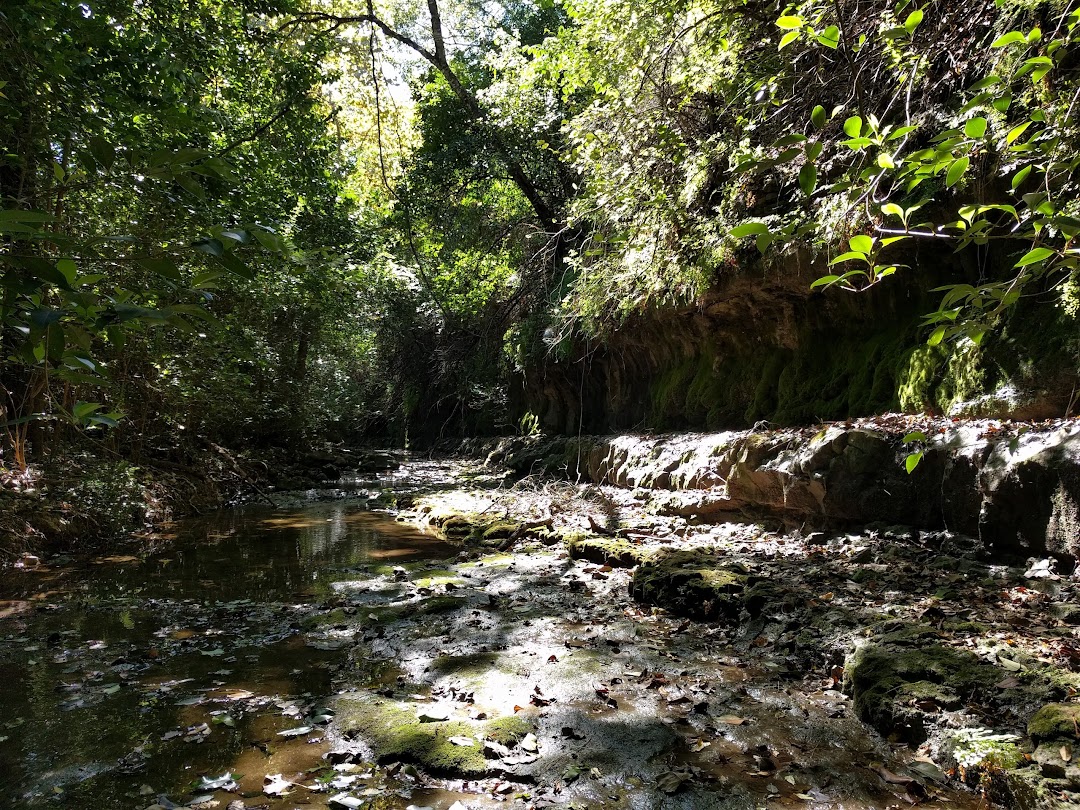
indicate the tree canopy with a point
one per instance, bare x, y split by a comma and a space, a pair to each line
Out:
274, 220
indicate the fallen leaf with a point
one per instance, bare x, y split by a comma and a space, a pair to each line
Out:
671, 781
296, 732
345, 800
275, 785
223, 782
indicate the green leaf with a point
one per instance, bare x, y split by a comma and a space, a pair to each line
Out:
789, 140
787, 39
861, 244
824, 281
268, 239
1008, 39
1017, 131
20, 215
983, 83
162, 265
975, 128
1034, 256
103, 151
856, 144
817, 117
235, 266
900, 132
807, 178
853, 126
913, 20
45, 316
912, 461
813, 150
956, 171
852, 254
914, 436
830, 37
936, 336
1020, 177
885, 161
69, 270
211, 246
749, 229
82, 410
789, 21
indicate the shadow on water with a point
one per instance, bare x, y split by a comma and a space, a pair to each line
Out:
126, 677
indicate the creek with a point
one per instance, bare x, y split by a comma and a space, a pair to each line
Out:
323, 654
125, 677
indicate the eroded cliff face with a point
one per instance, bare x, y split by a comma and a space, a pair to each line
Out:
763, 346
1015, 488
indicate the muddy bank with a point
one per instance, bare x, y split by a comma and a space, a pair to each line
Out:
1013, 486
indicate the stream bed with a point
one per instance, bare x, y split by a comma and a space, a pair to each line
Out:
326, 655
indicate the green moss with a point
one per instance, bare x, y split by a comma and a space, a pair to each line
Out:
440, 604
394, 732
1055, 720
490, 561
329, 619
606, 550
888, 682
983, 751
689, 583
508, 731
435, 577
457, 526
918, 376
500, 530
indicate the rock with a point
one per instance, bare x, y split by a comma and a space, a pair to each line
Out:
393, 731
690, 583
1055, 721
1019, 493
611, 551
896, 687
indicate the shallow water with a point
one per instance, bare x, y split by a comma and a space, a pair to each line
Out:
132, 677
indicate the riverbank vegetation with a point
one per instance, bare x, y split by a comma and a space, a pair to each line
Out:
275, 224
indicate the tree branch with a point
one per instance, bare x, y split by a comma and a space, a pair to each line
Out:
439, 60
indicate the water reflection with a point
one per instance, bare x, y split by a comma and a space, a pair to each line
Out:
131, 676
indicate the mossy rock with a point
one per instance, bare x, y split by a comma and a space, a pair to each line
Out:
690, 583
500, 530
1054, 721
897, 689
508, 731
457, 526
611, 551
394, 732
387, 614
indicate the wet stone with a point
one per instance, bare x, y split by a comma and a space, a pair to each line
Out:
690, 583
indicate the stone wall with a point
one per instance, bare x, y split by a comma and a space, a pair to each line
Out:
1016, 488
